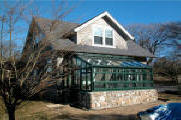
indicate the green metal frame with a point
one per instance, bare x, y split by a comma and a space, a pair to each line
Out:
88, 81
144, 84
106, 56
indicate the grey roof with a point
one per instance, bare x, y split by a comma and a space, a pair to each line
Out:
59, 43
133, 48
59, 29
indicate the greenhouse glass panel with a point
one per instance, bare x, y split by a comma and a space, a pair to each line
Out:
104, 72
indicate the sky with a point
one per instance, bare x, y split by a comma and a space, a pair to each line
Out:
128, 12
125, 12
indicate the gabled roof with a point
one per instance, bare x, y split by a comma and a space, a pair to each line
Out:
59, 43
61, 27
104, 14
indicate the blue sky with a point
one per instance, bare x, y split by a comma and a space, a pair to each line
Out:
125, 12
128, 12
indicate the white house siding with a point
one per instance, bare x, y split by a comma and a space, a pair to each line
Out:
85, 35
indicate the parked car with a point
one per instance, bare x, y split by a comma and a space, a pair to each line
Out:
171, 111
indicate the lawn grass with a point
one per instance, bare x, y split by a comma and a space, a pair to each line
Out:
170, 96
32, 110
2, 107
29, 110
38, 110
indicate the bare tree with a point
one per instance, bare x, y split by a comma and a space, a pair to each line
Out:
174, 35
151, 37
16, 81
168, 67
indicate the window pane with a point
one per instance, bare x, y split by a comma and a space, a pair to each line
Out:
98, 36
97, 40
108, 33
108, 37
98, 32
109, 41
49, 69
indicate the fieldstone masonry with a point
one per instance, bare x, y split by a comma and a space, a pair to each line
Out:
110, 99
179, 84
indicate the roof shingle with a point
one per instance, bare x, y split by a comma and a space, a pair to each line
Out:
133, 49
59, 43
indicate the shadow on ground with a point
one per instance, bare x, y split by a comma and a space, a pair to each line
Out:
95, 117
163, 99
168, 95
173, 92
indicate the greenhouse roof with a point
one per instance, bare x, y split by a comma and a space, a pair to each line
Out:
114, 61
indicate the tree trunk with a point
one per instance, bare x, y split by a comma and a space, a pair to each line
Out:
11, 114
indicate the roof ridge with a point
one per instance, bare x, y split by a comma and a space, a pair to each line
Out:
48, 19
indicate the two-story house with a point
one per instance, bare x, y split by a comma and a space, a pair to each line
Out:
105, 66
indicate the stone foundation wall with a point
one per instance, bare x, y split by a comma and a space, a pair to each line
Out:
179, 84
110, 99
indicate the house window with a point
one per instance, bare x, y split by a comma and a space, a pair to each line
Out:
103, 36
49, 69
49, 65
98, 36
108, 37
49, 61
35, 72
37, 39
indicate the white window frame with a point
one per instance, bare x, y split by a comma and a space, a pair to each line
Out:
102, 36
104, 28
108, 28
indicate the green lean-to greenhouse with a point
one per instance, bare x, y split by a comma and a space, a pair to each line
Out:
105, 72
102, 74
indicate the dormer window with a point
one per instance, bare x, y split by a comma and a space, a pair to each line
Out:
98, 36
103, 36
108, 37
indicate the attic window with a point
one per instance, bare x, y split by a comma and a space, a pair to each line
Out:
98, 36
108, 37
103, 36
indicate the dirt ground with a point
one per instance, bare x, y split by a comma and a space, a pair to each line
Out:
35, 110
